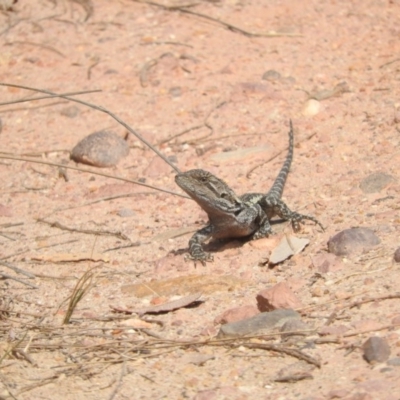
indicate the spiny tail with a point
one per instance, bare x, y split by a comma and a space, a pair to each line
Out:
277, 188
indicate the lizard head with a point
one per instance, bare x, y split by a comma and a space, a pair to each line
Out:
212, 194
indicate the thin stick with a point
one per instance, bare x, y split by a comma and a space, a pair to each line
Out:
27, 159
50, 97
18, 270
227, 25
103, 110
119, 381
43, 46
55, 224
6, 276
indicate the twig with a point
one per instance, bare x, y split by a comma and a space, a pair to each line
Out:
180, 134
251, 170
291, 352
6, 276
144, 72
89, 72
58, 244
103, 110
119, 382
25, 355
27, 159
334, 314
50, 97
227, 25
87, 5
386, 297
18, 270
38, 45
382, 328
11, 224
168, 42
56, 224
389, 62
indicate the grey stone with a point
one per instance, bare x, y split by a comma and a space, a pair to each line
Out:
101, 149
376, 349
352, 241
258, 323
375, 182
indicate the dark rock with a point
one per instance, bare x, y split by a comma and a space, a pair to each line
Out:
70, 111
101, 149
376, 349
271, 75
396, 256
375, 182
352, 241
260, 322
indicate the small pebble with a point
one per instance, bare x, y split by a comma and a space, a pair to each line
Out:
352, 241
396, 256
311, 108
376, 349
101, 149
271, 75
175, 91
70, 111
375, 182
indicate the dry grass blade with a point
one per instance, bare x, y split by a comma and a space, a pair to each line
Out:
103, 110
82, 287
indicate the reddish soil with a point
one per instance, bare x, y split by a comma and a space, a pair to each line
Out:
214, 98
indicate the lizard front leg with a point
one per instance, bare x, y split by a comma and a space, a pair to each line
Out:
196, 245
264, 229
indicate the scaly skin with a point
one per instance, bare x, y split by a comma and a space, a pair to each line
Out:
232, 216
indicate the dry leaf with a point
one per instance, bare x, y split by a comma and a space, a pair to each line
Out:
288, 246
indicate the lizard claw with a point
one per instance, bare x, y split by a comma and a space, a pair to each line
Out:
202, 257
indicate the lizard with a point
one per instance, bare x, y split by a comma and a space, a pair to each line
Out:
233, 216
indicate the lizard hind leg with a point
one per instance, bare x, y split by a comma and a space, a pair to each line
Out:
297, 218
280, 209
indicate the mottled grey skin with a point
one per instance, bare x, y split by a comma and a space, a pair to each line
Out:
232, 216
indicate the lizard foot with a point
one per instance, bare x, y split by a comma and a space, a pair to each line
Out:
297, 218
202, 257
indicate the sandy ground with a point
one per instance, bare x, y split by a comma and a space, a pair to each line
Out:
209, 95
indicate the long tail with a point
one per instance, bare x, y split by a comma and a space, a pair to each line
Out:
277, 188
